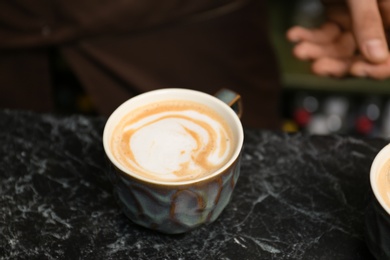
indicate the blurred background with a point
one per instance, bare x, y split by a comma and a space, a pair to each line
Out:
324, 105
309, 104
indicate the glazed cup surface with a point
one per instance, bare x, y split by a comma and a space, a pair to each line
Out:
174, 207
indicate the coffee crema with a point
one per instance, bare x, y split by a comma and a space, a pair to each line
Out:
172, 140
383, 182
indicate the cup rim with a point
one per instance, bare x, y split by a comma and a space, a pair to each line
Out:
379, 160
210, 98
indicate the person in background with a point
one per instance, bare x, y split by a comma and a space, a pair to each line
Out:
352, 41
118, 49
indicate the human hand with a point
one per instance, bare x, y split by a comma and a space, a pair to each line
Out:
352, 41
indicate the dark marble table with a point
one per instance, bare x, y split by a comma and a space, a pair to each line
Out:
298, 197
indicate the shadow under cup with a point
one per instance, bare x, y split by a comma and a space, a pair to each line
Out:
377, 217
175, 207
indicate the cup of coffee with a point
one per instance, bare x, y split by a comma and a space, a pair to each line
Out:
378, 211
175, 155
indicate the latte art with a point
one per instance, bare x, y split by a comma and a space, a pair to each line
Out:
172, 141
383, 182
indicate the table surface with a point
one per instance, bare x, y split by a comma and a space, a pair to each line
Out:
298, 197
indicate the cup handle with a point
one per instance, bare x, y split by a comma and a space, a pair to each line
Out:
232, 99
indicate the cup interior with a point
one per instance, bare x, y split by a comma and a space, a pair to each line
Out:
214, 103
381, 158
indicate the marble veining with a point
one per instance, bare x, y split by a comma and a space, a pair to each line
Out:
298, 197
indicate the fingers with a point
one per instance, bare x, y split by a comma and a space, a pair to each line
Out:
342, 47
358, 67
368, 29
362, 68
332, 48
326, 33
331, 67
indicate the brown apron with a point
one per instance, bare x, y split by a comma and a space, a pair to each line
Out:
120, 48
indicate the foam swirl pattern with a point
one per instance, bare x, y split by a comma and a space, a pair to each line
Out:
172, 141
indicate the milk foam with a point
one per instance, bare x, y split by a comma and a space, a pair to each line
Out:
172, 141
383, 182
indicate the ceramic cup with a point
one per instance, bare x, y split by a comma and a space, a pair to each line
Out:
177, 207
377, 215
